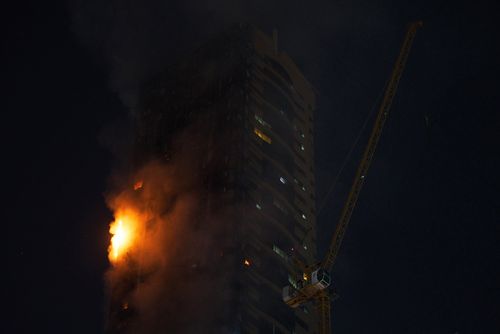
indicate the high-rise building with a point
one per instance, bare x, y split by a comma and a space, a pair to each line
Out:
255, 109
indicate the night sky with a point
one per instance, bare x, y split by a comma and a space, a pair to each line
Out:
422, 252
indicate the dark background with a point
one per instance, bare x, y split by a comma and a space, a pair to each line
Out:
422, 252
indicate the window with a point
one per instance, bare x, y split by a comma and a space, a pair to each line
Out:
262, 136
261, 121
293, 282
300, 184
280, 252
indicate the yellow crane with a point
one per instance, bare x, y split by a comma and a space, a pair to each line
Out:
316, 278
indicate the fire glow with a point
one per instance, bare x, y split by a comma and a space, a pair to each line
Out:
123, 231
138, 185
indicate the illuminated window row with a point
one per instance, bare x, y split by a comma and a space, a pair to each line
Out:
268, 139
299, 184
262, 136
278, 205
280, 252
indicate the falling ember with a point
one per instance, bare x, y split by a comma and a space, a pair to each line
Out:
138, 185
123, 231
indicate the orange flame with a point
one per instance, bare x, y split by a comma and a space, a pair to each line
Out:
123, 231
138, 185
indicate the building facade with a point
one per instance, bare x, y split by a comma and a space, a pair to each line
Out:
254, 109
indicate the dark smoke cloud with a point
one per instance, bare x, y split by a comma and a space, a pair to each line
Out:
137, 38
329, 40
178, 278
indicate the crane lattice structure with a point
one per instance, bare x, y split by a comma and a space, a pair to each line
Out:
316, 278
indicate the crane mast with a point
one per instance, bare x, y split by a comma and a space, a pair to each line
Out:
318, 277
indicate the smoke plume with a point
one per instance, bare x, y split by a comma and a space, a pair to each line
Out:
135, 39
177, 274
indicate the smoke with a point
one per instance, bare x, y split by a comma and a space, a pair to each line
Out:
328, 40
178, 274
137, 38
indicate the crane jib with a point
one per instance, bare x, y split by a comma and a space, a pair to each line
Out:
317, 289
364, 165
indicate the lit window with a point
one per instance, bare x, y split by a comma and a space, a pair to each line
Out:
293, 282
282, 180
300, 184
280, 252
261, 121
262, 136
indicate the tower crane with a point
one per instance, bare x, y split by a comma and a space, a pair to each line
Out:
316, 278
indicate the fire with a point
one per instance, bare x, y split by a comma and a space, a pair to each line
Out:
120, 239
123, 231
138, 185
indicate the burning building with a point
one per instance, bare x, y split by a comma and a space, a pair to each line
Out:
229, 131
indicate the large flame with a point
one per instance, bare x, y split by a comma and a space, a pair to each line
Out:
124, 234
